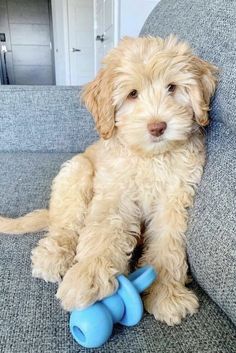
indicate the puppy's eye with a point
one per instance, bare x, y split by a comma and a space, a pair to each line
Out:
171, 88
133, 94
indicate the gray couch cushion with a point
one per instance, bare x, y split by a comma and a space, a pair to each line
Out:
210, 27
25, 180
44, 119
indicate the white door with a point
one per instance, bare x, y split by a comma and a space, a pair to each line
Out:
105, 28
81, 41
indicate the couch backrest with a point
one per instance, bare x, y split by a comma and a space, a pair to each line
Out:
210, 28
44, 119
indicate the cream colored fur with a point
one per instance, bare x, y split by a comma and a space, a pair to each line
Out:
37, 220
129, 177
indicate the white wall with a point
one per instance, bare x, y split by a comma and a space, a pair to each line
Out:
133, 14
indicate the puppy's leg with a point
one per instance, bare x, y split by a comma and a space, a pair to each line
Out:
71, 193
104, 249
168, 299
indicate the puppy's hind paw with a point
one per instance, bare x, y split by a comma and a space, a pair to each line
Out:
171, 309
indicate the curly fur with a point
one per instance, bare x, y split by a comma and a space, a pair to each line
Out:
129, 177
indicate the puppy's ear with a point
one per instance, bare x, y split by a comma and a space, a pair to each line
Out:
97, 96
201, 93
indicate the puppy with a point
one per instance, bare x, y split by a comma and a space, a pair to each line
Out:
149, 102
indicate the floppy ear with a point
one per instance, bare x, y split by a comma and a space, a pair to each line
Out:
201, 93
97, 96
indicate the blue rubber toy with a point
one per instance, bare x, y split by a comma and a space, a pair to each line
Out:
93, 326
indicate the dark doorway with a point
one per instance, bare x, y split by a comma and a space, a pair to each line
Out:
27, 55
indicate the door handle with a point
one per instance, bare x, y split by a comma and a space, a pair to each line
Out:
100, 37
75, 50
3, 48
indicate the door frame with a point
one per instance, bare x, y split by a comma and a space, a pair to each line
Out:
51, 40
55, 4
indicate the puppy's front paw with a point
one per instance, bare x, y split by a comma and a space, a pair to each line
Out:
170, 304
51, 260
86, 283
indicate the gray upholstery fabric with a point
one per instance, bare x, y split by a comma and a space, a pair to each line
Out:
44, 119
212, 228
210, 27
25, 180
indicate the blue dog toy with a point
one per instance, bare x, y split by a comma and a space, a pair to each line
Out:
93, 326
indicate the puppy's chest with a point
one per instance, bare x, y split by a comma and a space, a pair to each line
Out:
151, 179
144, 179
147, 177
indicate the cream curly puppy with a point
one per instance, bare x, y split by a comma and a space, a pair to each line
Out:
149, 102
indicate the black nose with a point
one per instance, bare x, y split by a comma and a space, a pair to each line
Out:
157, 129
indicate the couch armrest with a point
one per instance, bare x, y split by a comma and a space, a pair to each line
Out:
44, 119
212, 228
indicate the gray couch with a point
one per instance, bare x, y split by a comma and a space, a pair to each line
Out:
41, 127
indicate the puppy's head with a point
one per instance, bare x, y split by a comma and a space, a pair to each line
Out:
150, 93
